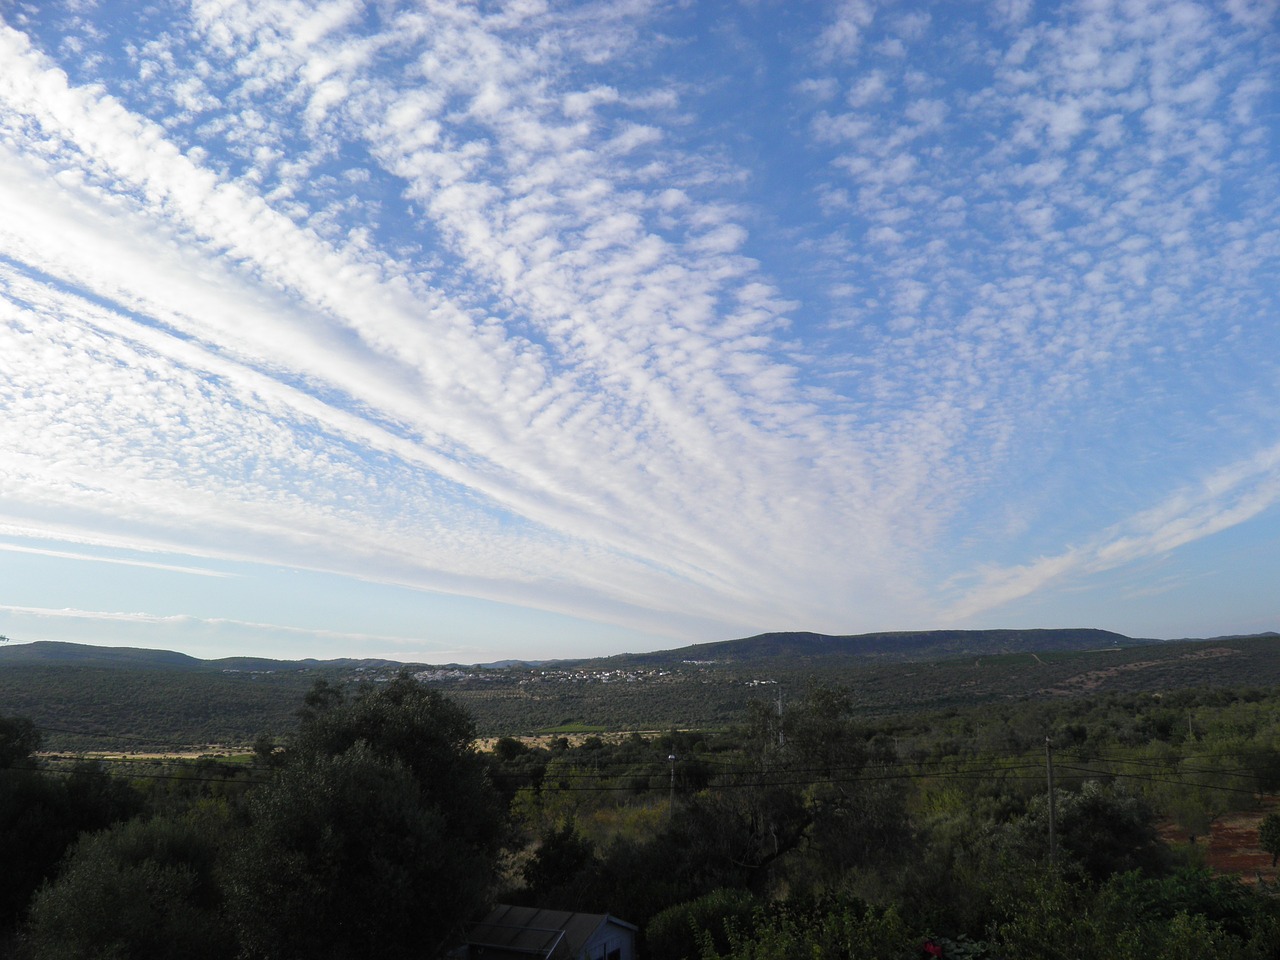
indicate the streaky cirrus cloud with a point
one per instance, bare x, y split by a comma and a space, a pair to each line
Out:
680, 322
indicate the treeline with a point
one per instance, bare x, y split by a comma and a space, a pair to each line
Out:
809, 829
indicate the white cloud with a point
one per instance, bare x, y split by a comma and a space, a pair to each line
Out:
494, 297
843, 36
121, 561
1224, 499
511, 454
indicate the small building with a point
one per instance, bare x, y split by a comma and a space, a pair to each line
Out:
527, 933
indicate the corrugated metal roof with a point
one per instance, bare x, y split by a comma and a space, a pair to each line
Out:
530, 932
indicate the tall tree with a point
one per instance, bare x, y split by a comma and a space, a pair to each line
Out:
407, 722
378, 836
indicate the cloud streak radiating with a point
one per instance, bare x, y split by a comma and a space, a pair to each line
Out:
683, 322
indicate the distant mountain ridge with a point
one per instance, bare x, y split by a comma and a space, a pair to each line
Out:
58, 652
890, 645
791, 647
52, 652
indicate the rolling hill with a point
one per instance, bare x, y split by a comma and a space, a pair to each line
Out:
903, 645
87, 698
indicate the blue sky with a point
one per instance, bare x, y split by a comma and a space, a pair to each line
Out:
459, 332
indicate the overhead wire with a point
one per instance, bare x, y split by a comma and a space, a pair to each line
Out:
724, 772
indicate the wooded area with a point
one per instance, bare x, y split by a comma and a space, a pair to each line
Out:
143, 701
807, 829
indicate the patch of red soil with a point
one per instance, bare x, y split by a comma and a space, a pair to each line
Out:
1232, 844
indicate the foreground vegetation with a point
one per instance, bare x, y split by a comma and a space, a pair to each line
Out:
812, 830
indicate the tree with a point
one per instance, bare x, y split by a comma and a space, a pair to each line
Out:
432, 736
19, 739
319, 700
377, 837
264, 751
139, 889
1101, 830
1269, 836
809, 794
40, 817
562, 855
507, 749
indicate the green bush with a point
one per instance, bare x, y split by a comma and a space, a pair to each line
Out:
680, 932
140, 889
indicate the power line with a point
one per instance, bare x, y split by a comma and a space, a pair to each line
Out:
590, 774
1024, 772
139, 775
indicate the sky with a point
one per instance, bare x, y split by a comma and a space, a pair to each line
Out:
460, 332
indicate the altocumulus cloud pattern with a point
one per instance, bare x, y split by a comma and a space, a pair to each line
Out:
658, 321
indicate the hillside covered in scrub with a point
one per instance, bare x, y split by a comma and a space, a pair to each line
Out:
90, 698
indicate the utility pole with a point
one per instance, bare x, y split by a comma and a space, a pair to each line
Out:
782, 736
671, 806
1053, 806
